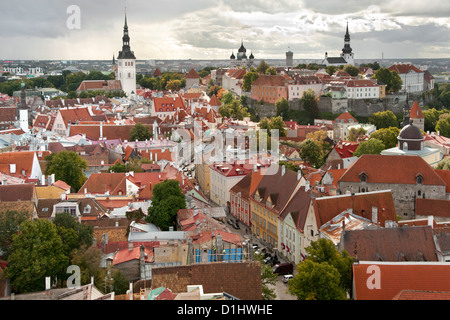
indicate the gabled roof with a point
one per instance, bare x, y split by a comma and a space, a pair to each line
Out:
73, 115
269, 186
404, 68
391, 169
192, 74
346, 116
391, 244
168, 104
361, 204
416, 112
214, 101
373, 280
298, 208
22, 160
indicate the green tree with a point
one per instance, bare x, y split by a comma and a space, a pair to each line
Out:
444, 164
316, 281
371, 146
354, 133
120, 282
390, 78
312, 153
232, 108
324, 251
9, 225
84, 233
310, 104
387, 135
384, 119
262, 67
167, 199
432, 117
351, 70
67, 166
275, 123
140, 132
36, 252
443, 125
268, 279
248, 79
331, 69
88, 259
282, 107
173, 85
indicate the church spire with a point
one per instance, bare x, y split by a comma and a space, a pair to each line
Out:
126, 52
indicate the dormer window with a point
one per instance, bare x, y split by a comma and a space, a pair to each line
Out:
363, 177
419, 179
87, 209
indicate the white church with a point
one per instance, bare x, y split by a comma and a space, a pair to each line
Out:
346, 57
125, 71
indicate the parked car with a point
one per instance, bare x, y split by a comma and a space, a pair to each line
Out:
230, 221
236, 225
283, 268
287, 277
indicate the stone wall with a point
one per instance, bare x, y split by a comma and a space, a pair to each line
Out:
404, 194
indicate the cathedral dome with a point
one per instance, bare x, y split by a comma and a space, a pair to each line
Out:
411, 132
410, 138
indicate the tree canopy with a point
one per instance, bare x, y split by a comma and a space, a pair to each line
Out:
36, 252
167, 200
387, 135
309, 102
67, 166
325, 274
371, 146
140, 132
384, 119
390, 78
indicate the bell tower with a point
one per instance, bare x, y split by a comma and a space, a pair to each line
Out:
126, 64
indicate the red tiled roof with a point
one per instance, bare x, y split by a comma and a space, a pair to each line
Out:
73, 115
391, 169
326, 208
100, 85
23, 161
404, 68
214, 101
445, 175
346, 149
192, 74
157, 73
125, 255
270, 80
168, 104
416, 112
346, 116
384, 281
432, 207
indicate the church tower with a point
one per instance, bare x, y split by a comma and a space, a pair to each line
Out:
126, 69
347, 53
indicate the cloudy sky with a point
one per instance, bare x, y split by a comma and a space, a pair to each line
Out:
212, 29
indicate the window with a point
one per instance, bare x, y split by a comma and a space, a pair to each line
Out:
419, 179
363, 177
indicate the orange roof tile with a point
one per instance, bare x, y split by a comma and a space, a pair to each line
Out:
385, 280
192, 74
391, 169
416, 112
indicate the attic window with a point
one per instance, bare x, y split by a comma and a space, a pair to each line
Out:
87, 209
419, 179
363, 177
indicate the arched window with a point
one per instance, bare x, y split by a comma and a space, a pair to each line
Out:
405, 146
